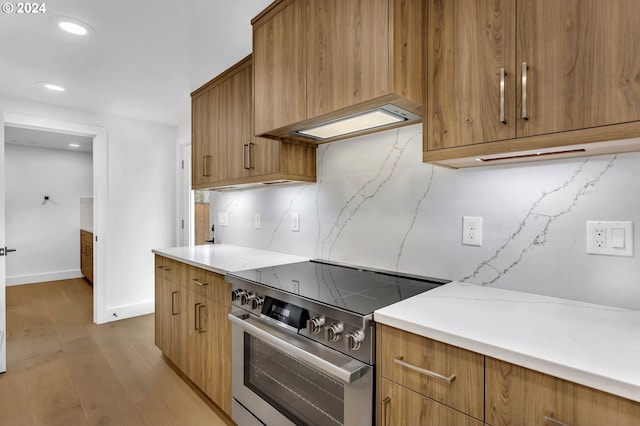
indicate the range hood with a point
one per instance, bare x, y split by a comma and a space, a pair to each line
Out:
385, 115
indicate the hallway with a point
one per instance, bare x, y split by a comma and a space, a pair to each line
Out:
64, 370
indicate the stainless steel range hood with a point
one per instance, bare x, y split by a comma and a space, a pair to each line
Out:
385, 115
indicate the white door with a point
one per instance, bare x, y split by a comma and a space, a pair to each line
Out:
3, 302
185, 197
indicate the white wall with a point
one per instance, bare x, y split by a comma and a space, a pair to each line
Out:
376, 204
46, 234
141, 163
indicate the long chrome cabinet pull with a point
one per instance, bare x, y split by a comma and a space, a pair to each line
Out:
548, 418
400, 361
173, 303
503, 73
524, 90
385, 404
201, 308
196, 322
200, 283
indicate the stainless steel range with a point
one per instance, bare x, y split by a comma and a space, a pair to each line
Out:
304, 341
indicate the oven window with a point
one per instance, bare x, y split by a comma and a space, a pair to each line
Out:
301, 393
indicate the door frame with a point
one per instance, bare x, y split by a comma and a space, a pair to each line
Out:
100, 194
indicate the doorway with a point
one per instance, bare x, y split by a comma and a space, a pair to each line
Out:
100, 195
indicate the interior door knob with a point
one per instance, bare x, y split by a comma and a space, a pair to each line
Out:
5, 251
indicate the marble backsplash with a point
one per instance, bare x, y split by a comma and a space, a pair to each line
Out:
376, 204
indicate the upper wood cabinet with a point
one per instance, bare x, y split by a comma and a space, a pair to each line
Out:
319, 60
225, 151
520, 78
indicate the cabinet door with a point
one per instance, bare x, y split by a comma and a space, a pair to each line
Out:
240, 137
217, 355
279, 59
469, 42
199, 138
399, 406
218, 133
347, 53
519, 396
172, 316
192, 337
583, 64
404, 357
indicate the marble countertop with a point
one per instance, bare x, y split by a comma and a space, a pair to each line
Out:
223, 258
596, 346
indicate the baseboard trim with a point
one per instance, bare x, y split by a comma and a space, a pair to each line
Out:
40, 278
127, 311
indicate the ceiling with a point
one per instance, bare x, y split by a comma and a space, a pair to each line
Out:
45, 139
142, 62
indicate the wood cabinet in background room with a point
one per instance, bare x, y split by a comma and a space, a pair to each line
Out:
225, 151
192, 328
521, 78
86, 254
319, 60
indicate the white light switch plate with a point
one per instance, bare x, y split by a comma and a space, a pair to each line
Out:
610, 238
257, 221
295, 222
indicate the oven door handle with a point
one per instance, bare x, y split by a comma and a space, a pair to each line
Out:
343, 368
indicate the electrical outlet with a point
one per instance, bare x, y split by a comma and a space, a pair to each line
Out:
257, 221
295, 222
472, 231
610, 238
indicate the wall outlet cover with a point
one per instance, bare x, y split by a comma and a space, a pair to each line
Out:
613, 238
472, 231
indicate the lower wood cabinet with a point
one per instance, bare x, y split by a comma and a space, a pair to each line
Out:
468, 388
518, 396
86, 254
401, 406
192, 328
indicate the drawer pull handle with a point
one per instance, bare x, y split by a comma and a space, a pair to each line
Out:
423, 371
548, 418
200, 283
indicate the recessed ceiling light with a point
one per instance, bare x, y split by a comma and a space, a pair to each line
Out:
74, 145
52, 86
71, 25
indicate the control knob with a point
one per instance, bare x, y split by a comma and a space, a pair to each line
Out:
247, 298
237, 294
354, 340
334, 331
315, 324
257, 302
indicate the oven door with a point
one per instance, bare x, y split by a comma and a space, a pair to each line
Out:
282, 378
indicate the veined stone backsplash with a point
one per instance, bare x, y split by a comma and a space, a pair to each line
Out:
376, 204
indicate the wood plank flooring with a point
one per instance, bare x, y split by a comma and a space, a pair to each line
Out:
64, 370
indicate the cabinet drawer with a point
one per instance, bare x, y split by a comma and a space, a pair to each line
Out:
519, 396
208, 284
412, 360
399, 406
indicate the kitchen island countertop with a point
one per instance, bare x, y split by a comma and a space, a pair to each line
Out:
593, 345
223, 258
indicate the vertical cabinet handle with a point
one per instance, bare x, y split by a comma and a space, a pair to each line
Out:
550, 420
245, 156
205, 165
503, 73
524, 91
196, 322
385, 406
173, 303
201, 309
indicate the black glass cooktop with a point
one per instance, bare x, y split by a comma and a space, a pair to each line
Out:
344, 286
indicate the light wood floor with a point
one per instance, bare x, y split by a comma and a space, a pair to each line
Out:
64, 370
